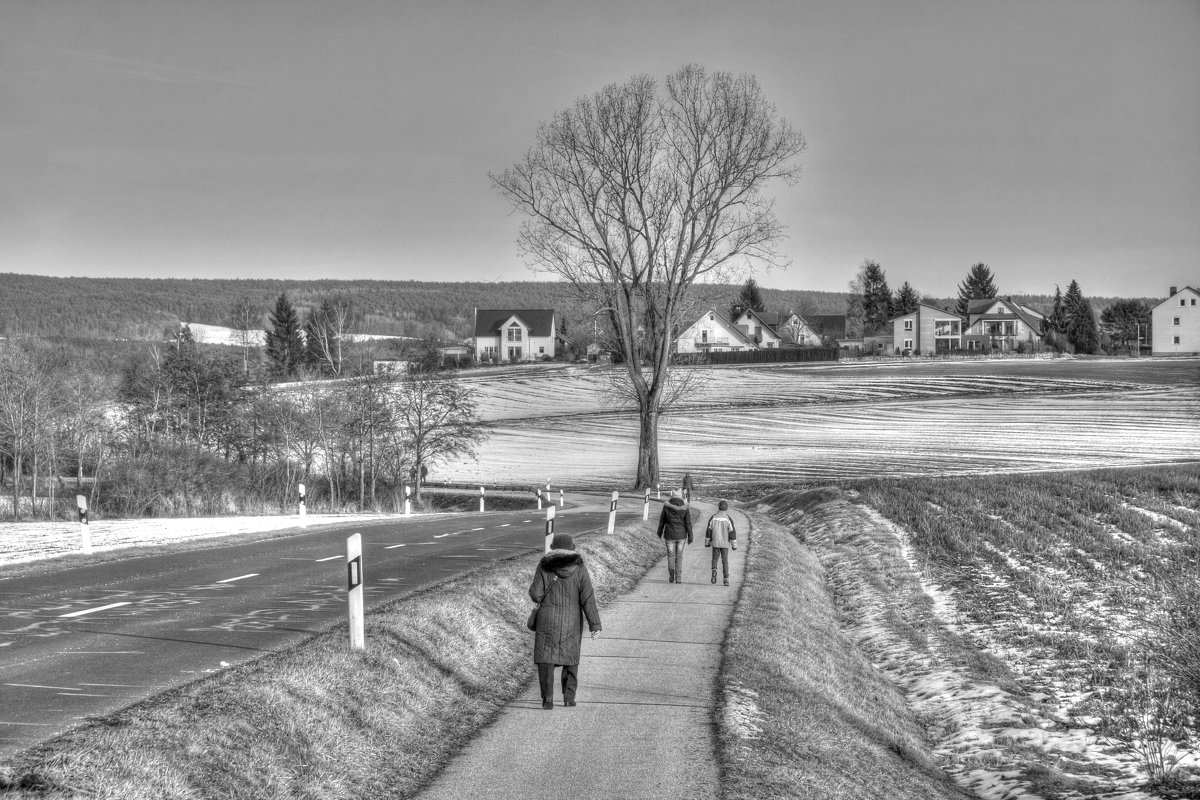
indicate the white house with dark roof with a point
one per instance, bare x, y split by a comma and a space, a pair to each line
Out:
761, 327
1175, 324
713, 332
995, 324
513, 335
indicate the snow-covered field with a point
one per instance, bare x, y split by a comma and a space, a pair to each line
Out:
748, 426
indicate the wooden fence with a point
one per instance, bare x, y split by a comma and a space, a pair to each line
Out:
780, 356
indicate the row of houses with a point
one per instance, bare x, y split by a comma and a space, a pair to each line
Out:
992, 325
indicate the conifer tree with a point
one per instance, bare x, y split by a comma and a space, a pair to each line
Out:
906, 300
870, 300
1080, 320
285, 342
750, 299
977, 286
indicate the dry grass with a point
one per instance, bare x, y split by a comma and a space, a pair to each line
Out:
319, 721
803, 713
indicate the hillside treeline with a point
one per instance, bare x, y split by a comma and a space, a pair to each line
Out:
184, 429
147, 309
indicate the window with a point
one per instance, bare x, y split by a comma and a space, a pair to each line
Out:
945, 327
908, 324
1175, 340
1193, 301
1174, 320
514, 332
908, 344
541, 351
1010, 329
1182, 302
703, 336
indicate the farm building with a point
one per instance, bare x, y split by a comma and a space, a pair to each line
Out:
512, 335
1175, 324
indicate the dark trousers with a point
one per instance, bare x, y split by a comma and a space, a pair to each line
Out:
570, 680
722, 554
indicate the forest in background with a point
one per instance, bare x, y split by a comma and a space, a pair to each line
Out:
150, 309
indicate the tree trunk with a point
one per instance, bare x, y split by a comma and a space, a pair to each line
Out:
647, 470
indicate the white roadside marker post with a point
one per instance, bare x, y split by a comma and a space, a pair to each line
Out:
562, 500
480, 499
303, 518
354, 591
549, 527
658, 491
646, 506
407, 500
85, 536
612, 512
538, 492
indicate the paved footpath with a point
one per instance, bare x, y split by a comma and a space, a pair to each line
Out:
647, 689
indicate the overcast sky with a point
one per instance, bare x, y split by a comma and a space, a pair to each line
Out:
1050, 139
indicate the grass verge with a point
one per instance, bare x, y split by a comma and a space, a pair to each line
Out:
319, 721
803, 713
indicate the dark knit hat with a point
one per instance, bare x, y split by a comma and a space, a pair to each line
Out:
722, 505
562, 541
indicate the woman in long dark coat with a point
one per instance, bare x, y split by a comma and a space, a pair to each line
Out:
562, 587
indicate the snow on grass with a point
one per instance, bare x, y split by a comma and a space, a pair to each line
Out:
22, 542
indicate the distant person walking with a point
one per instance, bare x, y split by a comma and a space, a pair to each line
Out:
721, 536
675, 528
562, 588
687, 487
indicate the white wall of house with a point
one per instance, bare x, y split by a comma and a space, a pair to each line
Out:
514, 344
1175, 324
709, 333
756, 330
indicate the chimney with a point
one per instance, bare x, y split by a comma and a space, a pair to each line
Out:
1173, 290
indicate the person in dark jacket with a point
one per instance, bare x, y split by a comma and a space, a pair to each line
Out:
675, 528
562, 588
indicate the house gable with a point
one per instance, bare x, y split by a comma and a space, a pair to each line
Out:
712, 331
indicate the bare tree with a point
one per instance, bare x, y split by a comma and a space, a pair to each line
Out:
246, 320
435, 416
633, 195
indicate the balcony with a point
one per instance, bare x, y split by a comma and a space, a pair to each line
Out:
711, 342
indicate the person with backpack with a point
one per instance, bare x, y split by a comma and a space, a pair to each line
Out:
721, 536
675, 528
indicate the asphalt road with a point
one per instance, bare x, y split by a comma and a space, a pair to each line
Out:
85, 641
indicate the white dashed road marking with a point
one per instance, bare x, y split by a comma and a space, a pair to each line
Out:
505, 525
239, 578
476, 529
393, 546
331, 558
92, 610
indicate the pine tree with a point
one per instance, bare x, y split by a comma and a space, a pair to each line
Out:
977, 286
285, 342
874, 298
1080, 320
1057, 321
750, 299
906, 300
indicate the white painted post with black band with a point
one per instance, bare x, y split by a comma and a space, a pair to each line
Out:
354, 591
407, 500
658, 491
562, 498
538, 492
85, 536
480, 499
549, 526
612, 512
646, 506
303, 519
